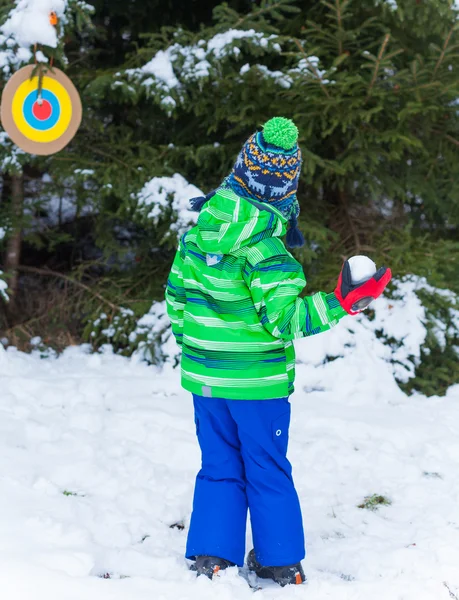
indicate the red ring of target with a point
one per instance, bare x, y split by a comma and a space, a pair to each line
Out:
43, 110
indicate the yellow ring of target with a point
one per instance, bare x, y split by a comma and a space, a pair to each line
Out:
65, 105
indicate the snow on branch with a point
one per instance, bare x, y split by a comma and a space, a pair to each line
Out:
165, 76
28, 23
392, 4
401, 322
11, 157
306, 67
169, 69
153, 339
162, 195
3, 288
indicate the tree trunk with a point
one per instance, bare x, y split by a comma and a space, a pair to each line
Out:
13, 249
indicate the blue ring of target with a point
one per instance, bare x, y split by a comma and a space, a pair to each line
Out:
32, 119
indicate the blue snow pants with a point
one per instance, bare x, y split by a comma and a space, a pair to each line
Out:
245, 467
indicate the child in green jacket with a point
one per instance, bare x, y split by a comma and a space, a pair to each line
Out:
233, 298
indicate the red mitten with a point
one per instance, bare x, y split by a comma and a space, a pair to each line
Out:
357, 297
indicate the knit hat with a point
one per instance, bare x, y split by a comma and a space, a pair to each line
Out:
267, 170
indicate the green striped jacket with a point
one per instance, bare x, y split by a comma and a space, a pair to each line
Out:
233, 301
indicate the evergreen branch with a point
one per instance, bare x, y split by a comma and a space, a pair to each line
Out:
378, 65
138, 282
424, 86
447, 136
448, 88
114, 158
50, 273
395, 53
259, 12
443, 52
352, 228
311, 66
81, 160
340, 27
451, 139
320, 31
414, 71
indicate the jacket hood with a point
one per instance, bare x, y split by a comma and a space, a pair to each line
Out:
228, 222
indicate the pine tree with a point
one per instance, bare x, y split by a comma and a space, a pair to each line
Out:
372, 88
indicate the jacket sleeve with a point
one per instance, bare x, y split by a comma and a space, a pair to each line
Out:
275, 285
176, 297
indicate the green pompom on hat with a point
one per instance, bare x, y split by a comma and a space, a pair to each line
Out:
281, 132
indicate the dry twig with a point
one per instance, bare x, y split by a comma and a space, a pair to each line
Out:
50, 273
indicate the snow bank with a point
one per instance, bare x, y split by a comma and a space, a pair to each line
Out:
162, 194
397, 330
396, 333
98, 458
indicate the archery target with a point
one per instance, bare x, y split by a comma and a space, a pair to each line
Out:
41, 124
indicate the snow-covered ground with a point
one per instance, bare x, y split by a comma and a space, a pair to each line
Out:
98, 457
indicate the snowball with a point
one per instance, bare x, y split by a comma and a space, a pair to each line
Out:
362, 268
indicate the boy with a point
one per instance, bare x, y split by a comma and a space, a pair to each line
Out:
233, 301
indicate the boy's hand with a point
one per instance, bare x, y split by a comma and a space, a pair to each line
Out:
357, 297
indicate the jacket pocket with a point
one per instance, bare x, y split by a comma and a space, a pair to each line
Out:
280, 427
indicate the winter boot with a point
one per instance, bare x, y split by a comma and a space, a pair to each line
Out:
210, 565
292, 575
